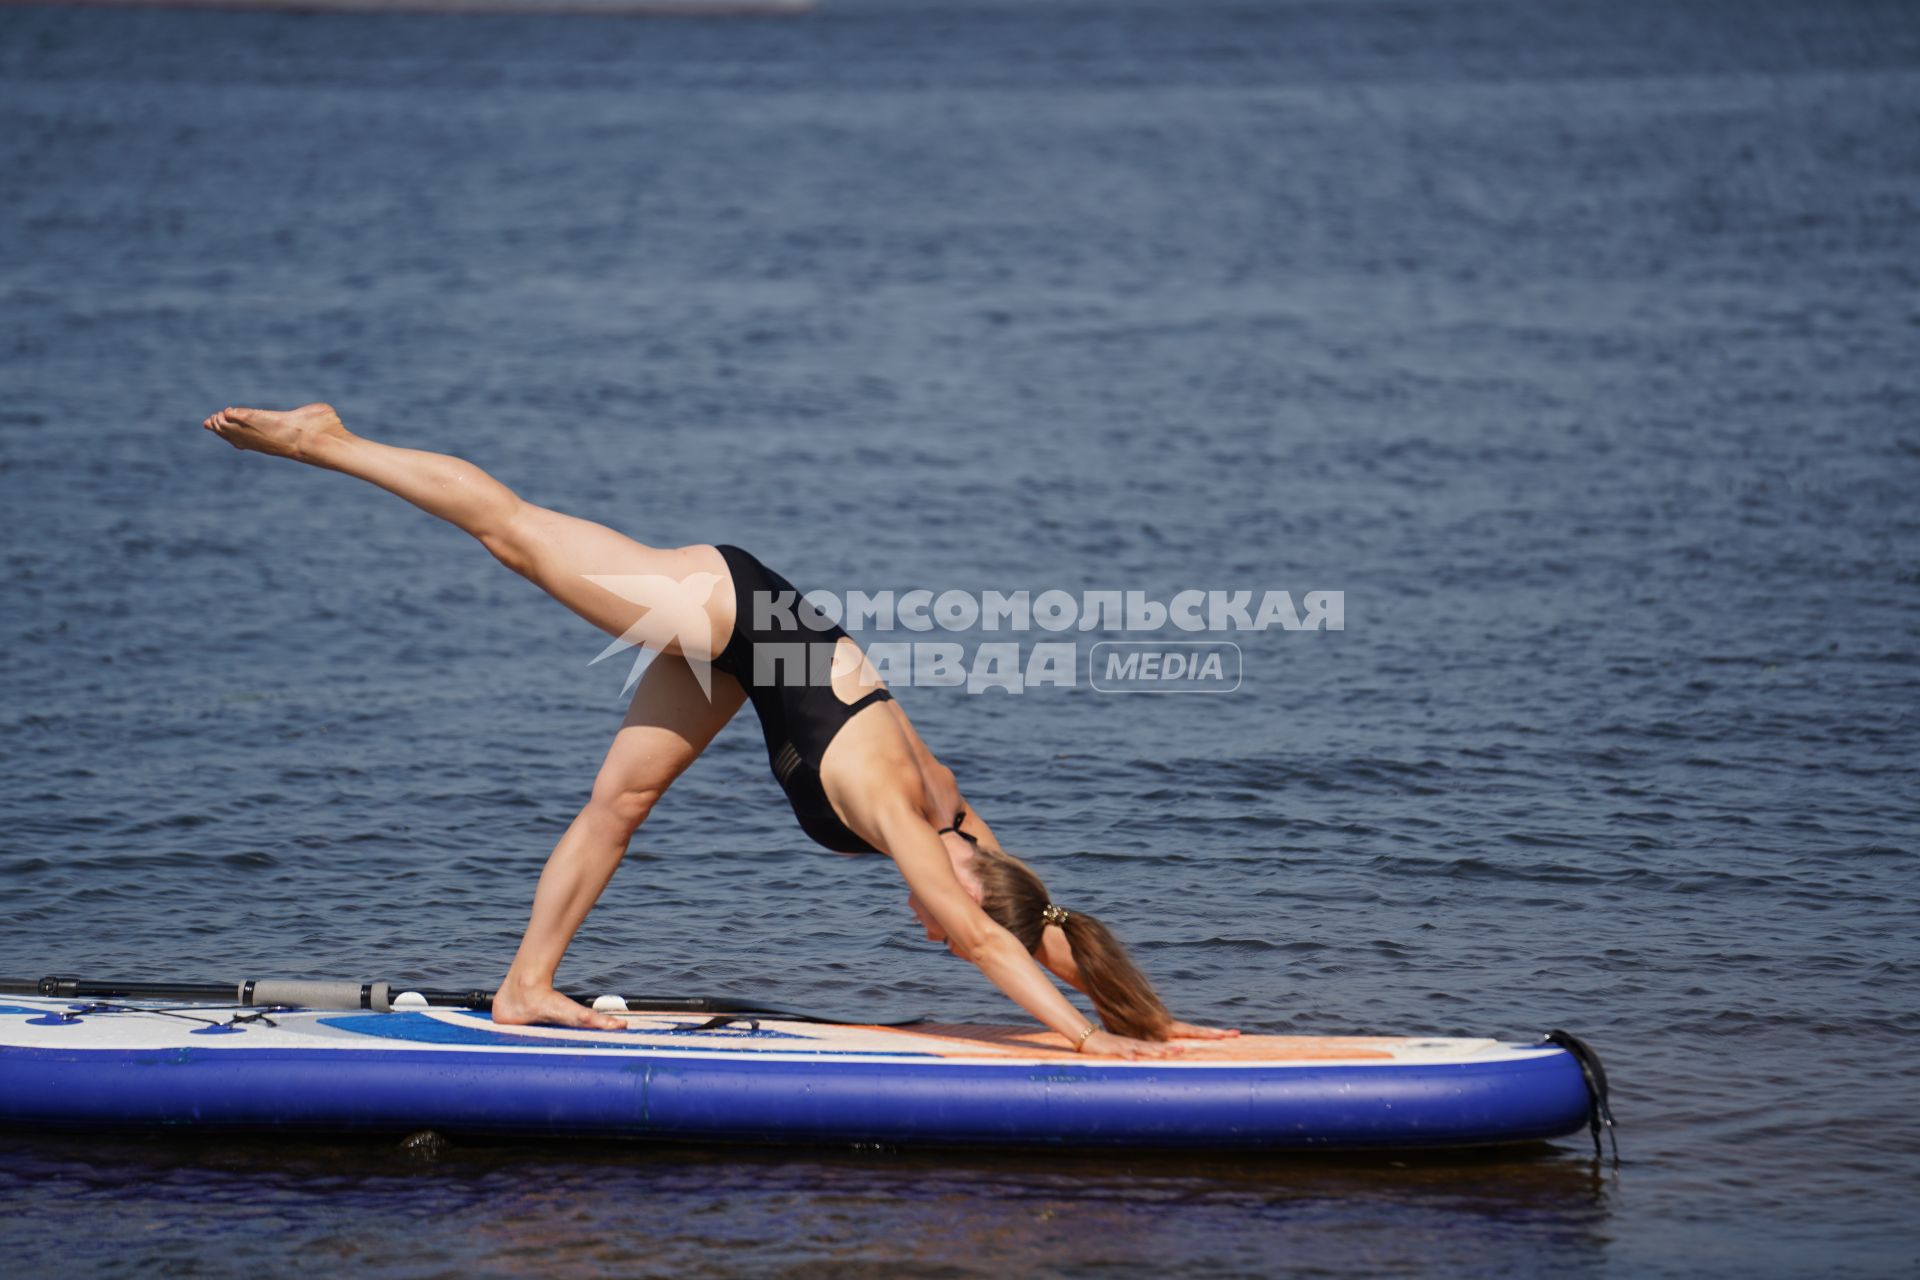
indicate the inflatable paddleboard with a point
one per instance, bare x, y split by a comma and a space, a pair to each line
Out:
76, 1064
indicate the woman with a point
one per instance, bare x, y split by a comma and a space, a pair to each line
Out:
859, 778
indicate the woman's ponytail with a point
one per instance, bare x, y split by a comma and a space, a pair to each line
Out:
1126, 1001
1013, 896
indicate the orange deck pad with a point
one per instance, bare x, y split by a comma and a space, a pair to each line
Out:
1020, 1042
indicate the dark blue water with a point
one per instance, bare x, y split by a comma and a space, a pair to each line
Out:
1578, 344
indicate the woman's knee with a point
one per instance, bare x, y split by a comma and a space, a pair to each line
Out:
512, 536
625, 807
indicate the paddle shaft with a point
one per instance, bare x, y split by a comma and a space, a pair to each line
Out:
336, 995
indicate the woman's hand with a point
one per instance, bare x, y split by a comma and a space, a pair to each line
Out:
1104, 1044
1188, 1031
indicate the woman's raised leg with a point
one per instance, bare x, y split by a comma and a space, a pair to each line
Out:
665, 599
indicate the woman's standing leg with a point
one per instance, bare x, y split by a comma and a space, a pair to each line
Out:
670, 722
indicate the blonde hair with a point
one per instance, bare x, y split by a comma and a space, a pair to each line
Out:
1015, 899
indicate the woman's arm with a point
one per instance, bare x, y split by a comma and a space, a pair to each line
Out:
942, 788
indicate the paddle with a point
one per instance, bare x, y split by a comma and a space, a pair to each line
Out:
378, 996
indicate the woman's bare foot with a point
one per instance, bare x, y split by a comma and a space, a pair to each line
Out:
518, 1006
301, 434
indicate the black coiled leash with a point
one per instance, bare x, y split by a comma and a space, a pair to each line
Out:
1599, 1113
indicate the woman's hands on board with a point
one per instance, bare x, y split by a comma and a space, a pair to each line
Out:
1189, 1031
1104, 1044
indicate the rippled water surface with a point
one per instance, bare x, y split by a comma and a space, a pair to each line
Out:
1578, 344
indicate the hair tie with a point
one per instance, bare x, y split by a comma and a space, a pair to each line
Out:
1055, 915
958, 818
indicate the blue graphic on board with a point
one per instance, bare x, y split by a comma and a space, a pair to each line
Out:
419, 1028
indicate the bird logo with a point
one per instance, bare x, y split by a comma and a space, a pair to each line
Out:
673, 619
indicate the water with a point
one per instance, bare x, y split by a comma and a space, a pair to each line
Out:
1576, 344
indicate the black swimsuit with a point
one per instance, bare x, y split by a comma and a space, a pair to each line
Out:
773, 664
